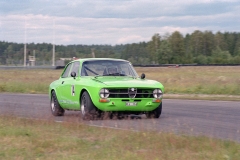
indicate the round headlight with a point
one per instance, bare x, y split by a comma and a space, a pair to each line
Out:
157, 93
104, 93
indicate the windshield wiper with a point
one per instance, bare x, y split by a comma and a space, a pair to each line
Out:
115, 74
97, 76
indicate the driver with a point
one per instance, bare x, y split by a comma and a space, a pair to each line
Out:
112, 70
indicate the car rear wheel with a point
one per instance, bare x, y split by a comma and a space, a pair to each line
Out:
88, 110
155, 113
56, 109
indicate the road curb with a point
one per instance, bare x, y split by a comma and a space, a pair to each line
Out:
203, 97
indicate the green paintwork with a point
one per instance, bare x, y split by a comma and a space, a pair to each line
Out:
93, 84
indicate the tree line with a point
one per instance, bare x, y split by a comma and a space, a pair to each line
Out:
175, 48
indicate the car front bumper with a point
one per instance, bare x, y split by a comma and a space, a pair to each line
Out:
119, 104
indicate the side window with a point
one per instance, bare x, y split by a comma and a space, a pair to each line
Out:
83, 70
75, 68
66, 72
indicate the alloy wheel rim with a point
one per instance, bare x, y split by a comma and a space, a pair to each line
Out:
83, 104
53, 105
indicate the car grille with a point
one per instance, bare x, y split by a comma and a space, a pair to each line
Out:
126, 93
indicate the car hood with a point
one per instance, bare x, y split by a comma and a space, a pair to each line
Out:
127, 82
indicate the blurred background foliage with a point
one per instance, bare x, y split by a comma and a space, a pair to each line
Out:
195, 48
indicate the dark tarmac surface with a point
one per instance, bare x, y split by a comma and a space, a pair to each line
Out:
216, 119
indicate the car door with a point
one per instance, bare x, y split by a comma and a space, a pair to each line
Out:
63, 87
70, 92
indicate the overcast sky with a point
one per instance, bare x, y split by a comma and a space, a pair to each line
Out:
112, 21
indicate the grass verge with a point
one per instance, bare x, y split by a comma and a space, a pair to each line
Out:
35, 139
222, 83
211, 97
212, 80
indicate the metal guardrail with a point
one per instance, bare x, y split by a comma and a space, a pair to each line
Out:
150, 65
28, 67
183, 65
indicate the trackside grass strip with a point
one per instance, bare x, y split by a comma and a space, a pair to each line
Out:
197, 80
35, 139
213, 80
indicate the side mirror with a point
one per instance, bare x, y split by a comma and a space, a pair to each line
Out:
142, 76
73, 74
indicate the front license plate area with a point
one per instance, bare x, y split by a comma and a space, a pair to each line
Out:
131, 103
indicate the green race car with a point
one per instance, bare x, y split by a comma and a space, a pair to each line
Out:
103, 86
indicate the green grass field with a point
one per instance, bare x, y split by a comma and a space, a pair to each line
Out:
183, 80
197, 80
32, 139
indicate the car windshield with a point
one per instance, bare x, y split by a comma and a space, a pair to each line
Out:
107, 68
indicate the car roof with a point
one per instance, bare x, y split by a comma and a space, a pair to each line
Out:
95, 59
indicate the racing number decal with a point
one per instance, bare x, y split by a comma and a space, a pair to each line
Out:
73, 90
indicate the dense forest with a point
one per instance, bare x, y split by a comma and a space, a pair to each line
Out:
195, 48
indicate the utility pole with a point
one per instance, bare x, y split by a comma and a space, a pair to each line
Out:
93, 54
25, 47
53, 54
25, 54
34, 58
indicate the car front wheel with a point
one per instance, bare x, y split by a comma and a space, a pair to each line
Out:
56, 109
155, 113
88, 110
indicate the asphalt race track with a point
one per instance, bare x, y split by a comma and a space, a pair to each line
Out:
218, 119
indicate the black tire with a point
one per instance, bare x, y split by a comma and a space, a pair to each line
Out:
88, 110
155, 113
56, 109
